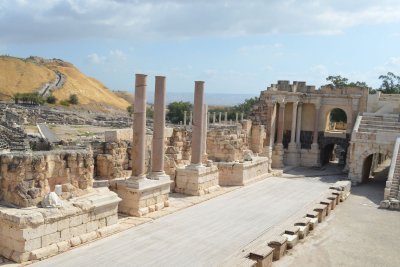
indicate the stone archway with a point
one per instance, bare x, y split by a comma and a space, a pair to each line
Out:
333, 152
336, 120
366, 168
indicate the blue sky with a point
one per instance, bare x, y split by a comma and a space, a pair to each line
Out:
234, 46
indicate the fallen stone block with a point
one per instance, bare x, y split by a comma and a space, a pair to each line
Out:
327, 203
337, 194
304, 227
292, 235
45, 252
262, 255
333, 199
279, 244
321, 209
244, 262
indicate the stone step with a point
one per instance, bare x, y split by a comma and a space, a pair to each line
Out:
369, 130
380, 125
392, 123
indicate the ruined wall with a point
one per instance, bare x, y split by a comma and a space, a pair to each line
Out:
226, 143
26, 178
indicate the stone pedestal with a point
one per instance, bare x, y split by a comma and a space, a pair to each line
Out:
140, 198
292, 155
310, 157
242, 173
277, 157
196, 180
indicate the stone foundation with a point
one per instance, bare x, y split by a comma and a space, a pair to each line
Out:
196, 181
236, 173
143, 198
29, 234
277, 157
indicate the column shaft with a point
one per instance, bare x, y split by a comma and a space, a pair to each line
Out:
299, 112
316, 124
294, 119
281, 122
157, 156
197, 134
139, 127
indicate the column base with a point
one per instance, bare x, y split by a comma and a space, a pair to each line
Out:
293, 155
310, 157
277, 157
158, 176
142, 196
196, 179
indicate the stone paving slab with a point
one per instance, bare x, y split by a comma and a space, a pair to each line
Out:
205, 234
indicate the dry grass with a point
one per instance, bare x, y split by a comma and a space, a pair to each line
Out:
18, 76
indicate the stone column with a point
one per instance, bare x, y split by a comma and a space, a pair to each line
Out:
316, 125
293, 129
139, 128
197, 134
241, 116
205, 121
281, 122
191, 119
237, 117
226, 117
184, 118
220, 118
158, 147
298, 133
214, 117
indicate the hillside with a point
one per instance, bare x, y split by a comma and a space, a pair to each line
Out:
29, 75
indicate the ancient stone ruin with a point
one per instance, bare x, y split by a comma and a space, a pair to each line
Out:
57, 199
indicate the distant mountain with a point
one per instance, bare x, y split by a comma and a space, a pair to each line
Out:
213, 99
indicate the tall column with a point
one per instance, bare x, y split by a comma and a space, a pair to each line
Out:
191, 119
197, 134
139, 128
316, 125
281, 122
214, 118
237, 117
184, 118
220, 117
293, 129
157, 155
298, 133
226, 117
241, 116
205, 121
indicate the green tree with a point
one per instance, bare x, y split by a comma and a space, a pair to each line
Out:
337, 81
246, 106
51, 99
176, 110
73, 99
129, 109
390, 83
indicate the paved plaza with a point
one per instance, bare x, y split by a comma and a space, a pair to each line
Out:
205, 234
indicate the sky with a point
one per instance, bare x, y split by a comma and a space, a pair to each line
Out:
234, 46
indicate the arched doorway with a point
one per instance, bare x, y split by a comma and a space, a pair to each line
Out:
337, 120
375, 168
333, 153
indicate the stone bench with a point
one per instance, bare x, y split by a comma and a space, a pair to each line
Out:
321, 209
279, 244
292, 235
304, 227
263, 255
313, 216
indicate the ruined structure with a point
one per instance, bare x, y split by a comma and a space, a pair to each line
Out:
30, 231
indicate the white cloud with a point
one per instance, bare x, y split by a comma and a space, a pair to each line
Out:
114, 56
43, 20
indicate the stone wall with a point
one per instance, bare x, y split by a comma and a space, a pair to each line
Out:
26, 178
226, 143
37, 233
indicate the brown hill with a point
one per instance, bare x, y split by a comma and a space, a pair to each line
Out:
129, 97
29, 75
